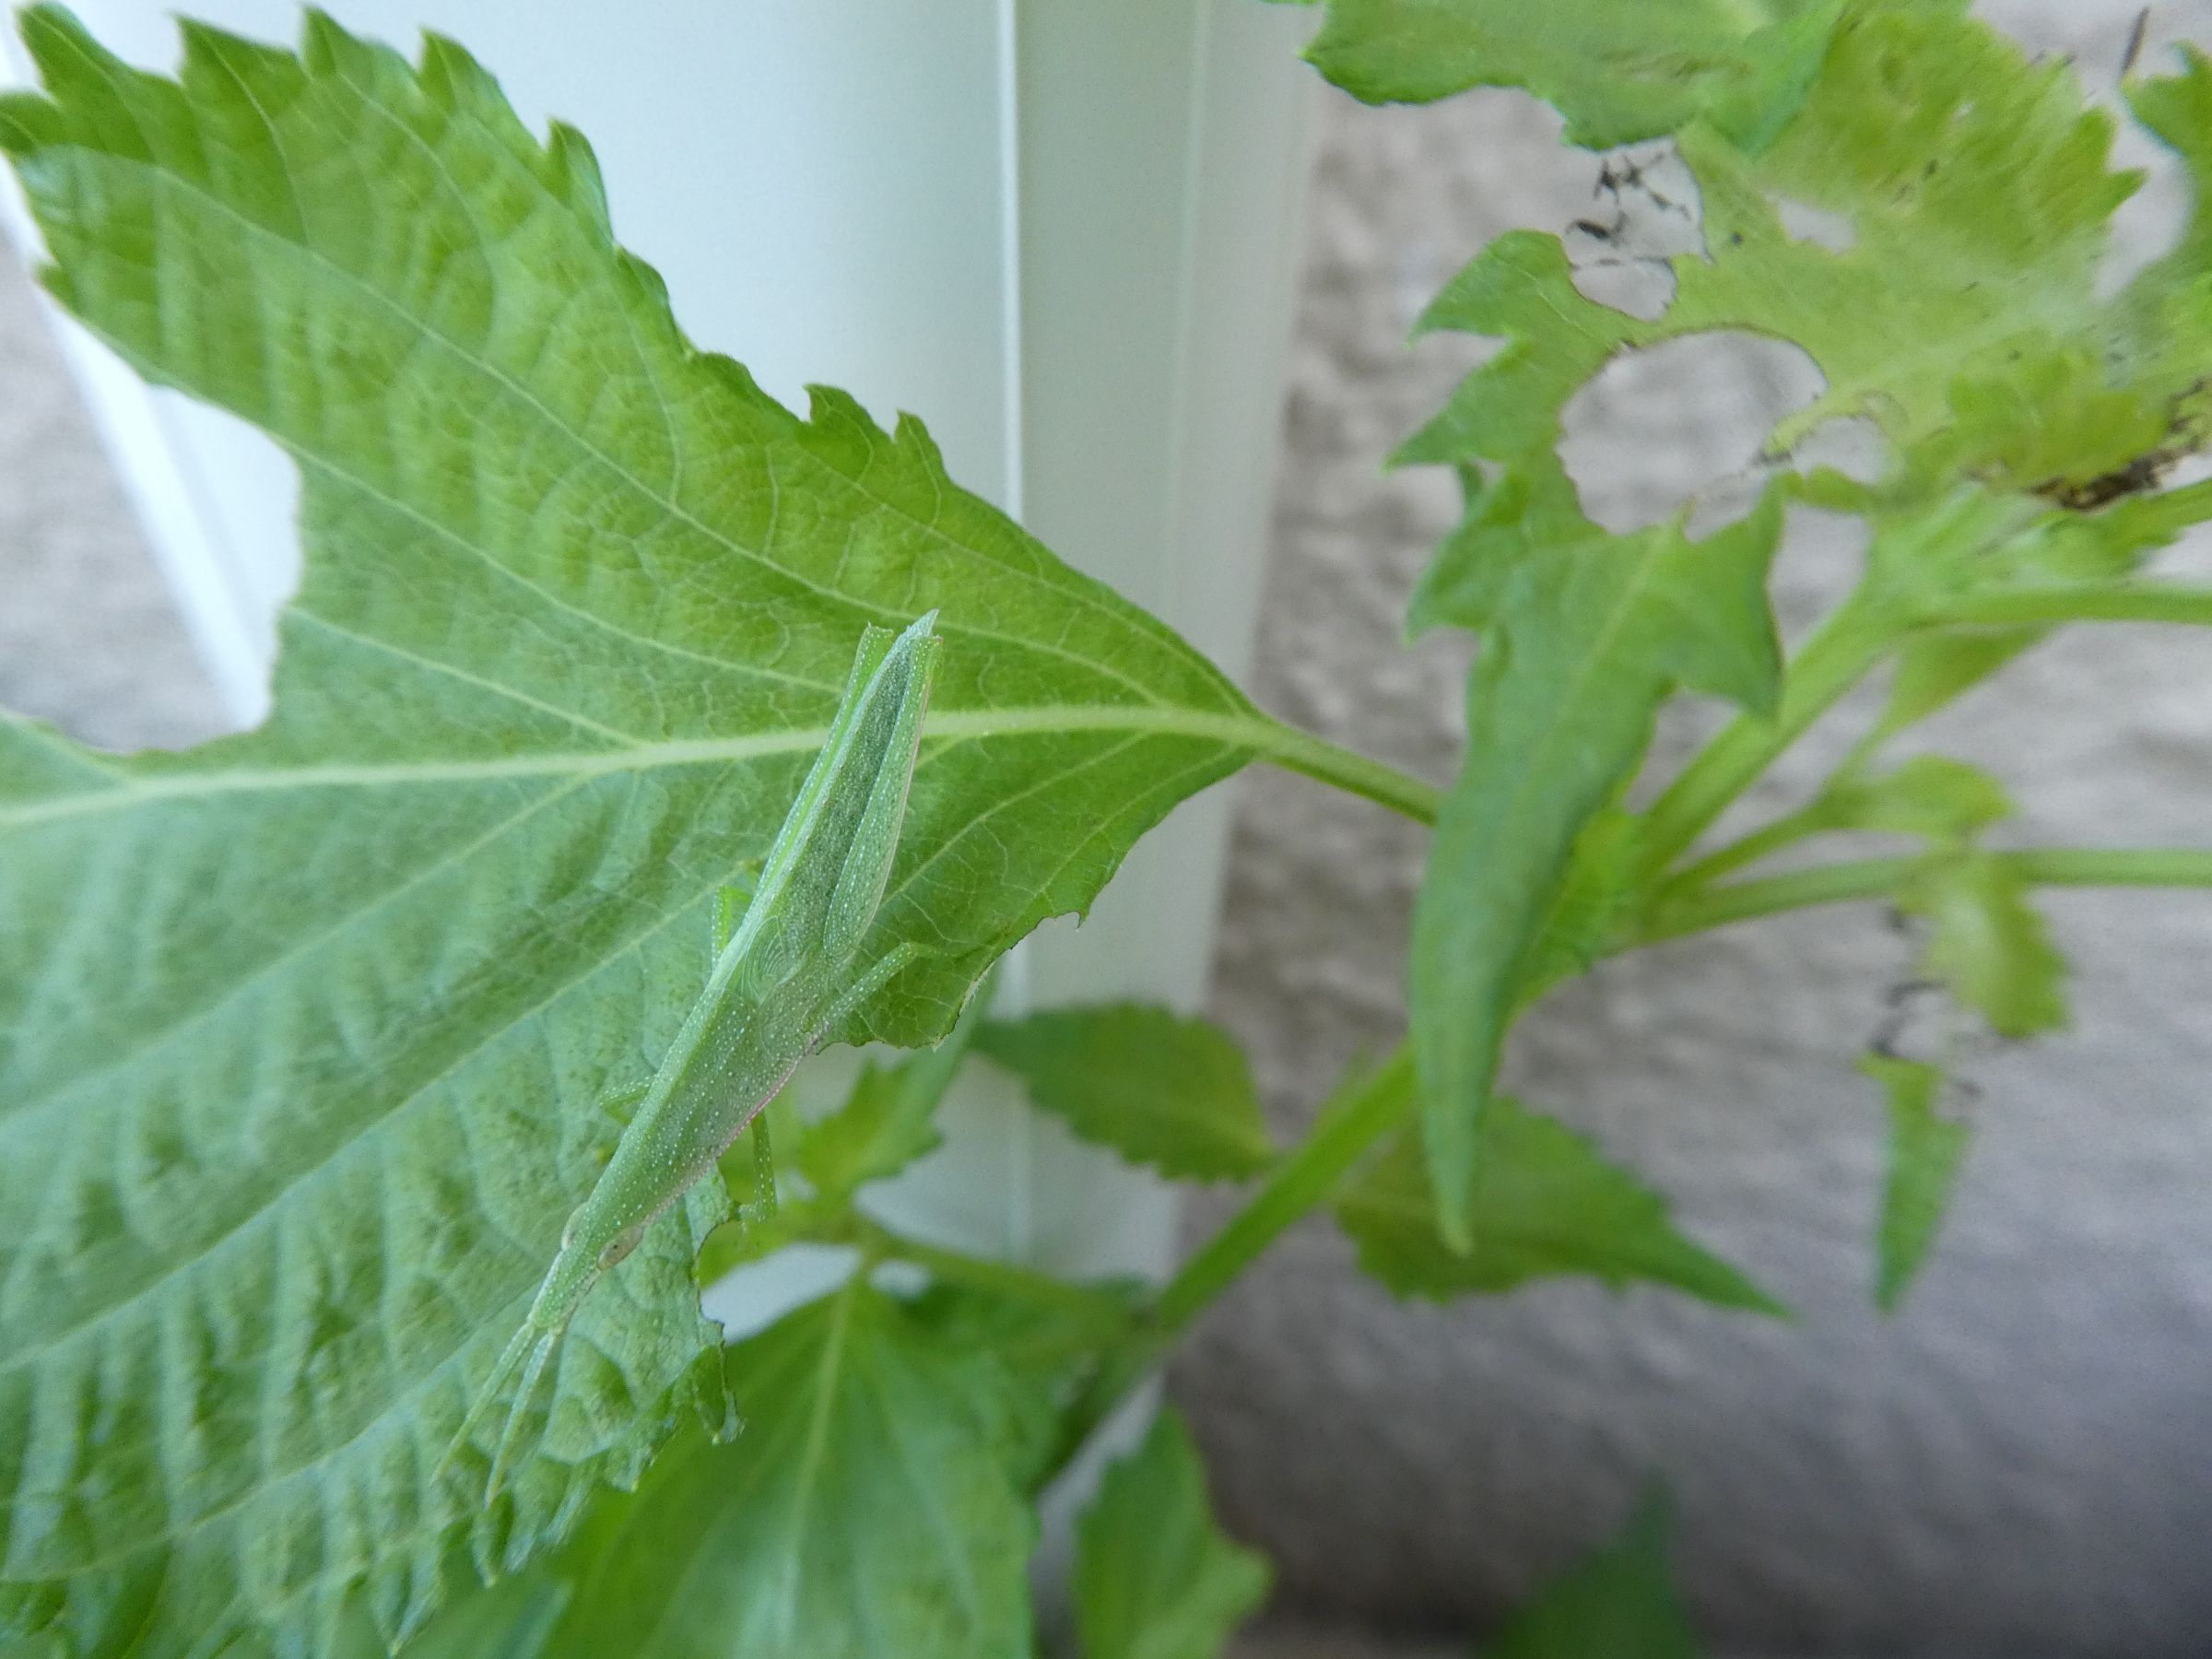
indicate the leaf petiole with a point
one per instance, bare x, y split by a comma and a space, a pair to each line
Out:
1762, 842
1843, 652
2169, 603
1363, 1112
1845, 649
1093, 1305
1877, 877
1295, 749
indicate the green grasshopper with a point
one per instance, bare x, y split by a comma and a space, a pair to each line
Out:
786, 975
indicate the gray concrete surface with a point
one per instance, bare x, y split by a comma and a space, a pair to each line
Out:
2019, 1464
88, 634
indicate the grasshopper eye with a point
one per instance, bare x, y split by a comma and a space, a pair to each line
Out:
619, 1246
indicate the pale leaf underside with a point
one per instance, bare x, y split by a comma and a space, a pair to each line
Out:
302, 1032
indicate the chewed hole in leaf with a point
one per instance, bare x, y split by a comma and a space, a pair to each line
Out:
1641, 287
1645, 211
1851, 444
1827, 229
1684, 423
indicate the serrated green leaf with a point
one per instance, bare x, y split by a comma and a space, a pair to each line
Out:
1159, 1088
510, 1619
1583, 638
875, 1478
1592, 896
869, 1506
1047, 1347
2024, 416
1542, 1203
1618, 1603
1156, 1577
1925, 1150
1986, 943
302, 1033
1979, 199
2171, 298
1931, 796
1617, 69
890, 1119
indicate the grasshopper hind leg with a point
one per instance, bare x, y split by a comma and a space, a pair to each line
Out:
871, 979
518, 1411
487, 1398
526, 1353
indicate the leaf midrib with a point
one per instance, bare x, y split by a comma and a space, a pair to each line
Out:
1532, 782
814, 1447
262, 1212
1255, 732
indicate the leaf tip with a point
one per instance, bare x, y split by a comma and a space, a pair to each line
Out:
61, 49
324, 43
585, 185
912, 435
1757, 1300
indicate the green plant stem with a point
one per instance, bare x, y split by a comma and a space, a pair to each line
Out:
1834, 660
2050, 606
1359, 1117
1784, 832
1301, 751
1100, 1307
1841, 654
1877, 877
1368, 1110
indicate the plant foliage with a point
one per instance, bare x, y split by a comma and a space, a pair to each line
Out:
1154, 1577
1616, 1601
2026, 421
1925, 1149
875, 1503
1163, 1090
1544, 1203
308, 1028
310, 1038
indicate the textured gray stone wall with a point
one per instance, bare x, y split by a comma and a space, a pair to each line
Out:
87, 633
2020, 1462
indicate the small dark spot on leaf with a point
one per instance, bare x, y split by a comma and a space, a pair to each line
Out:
2086, 495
